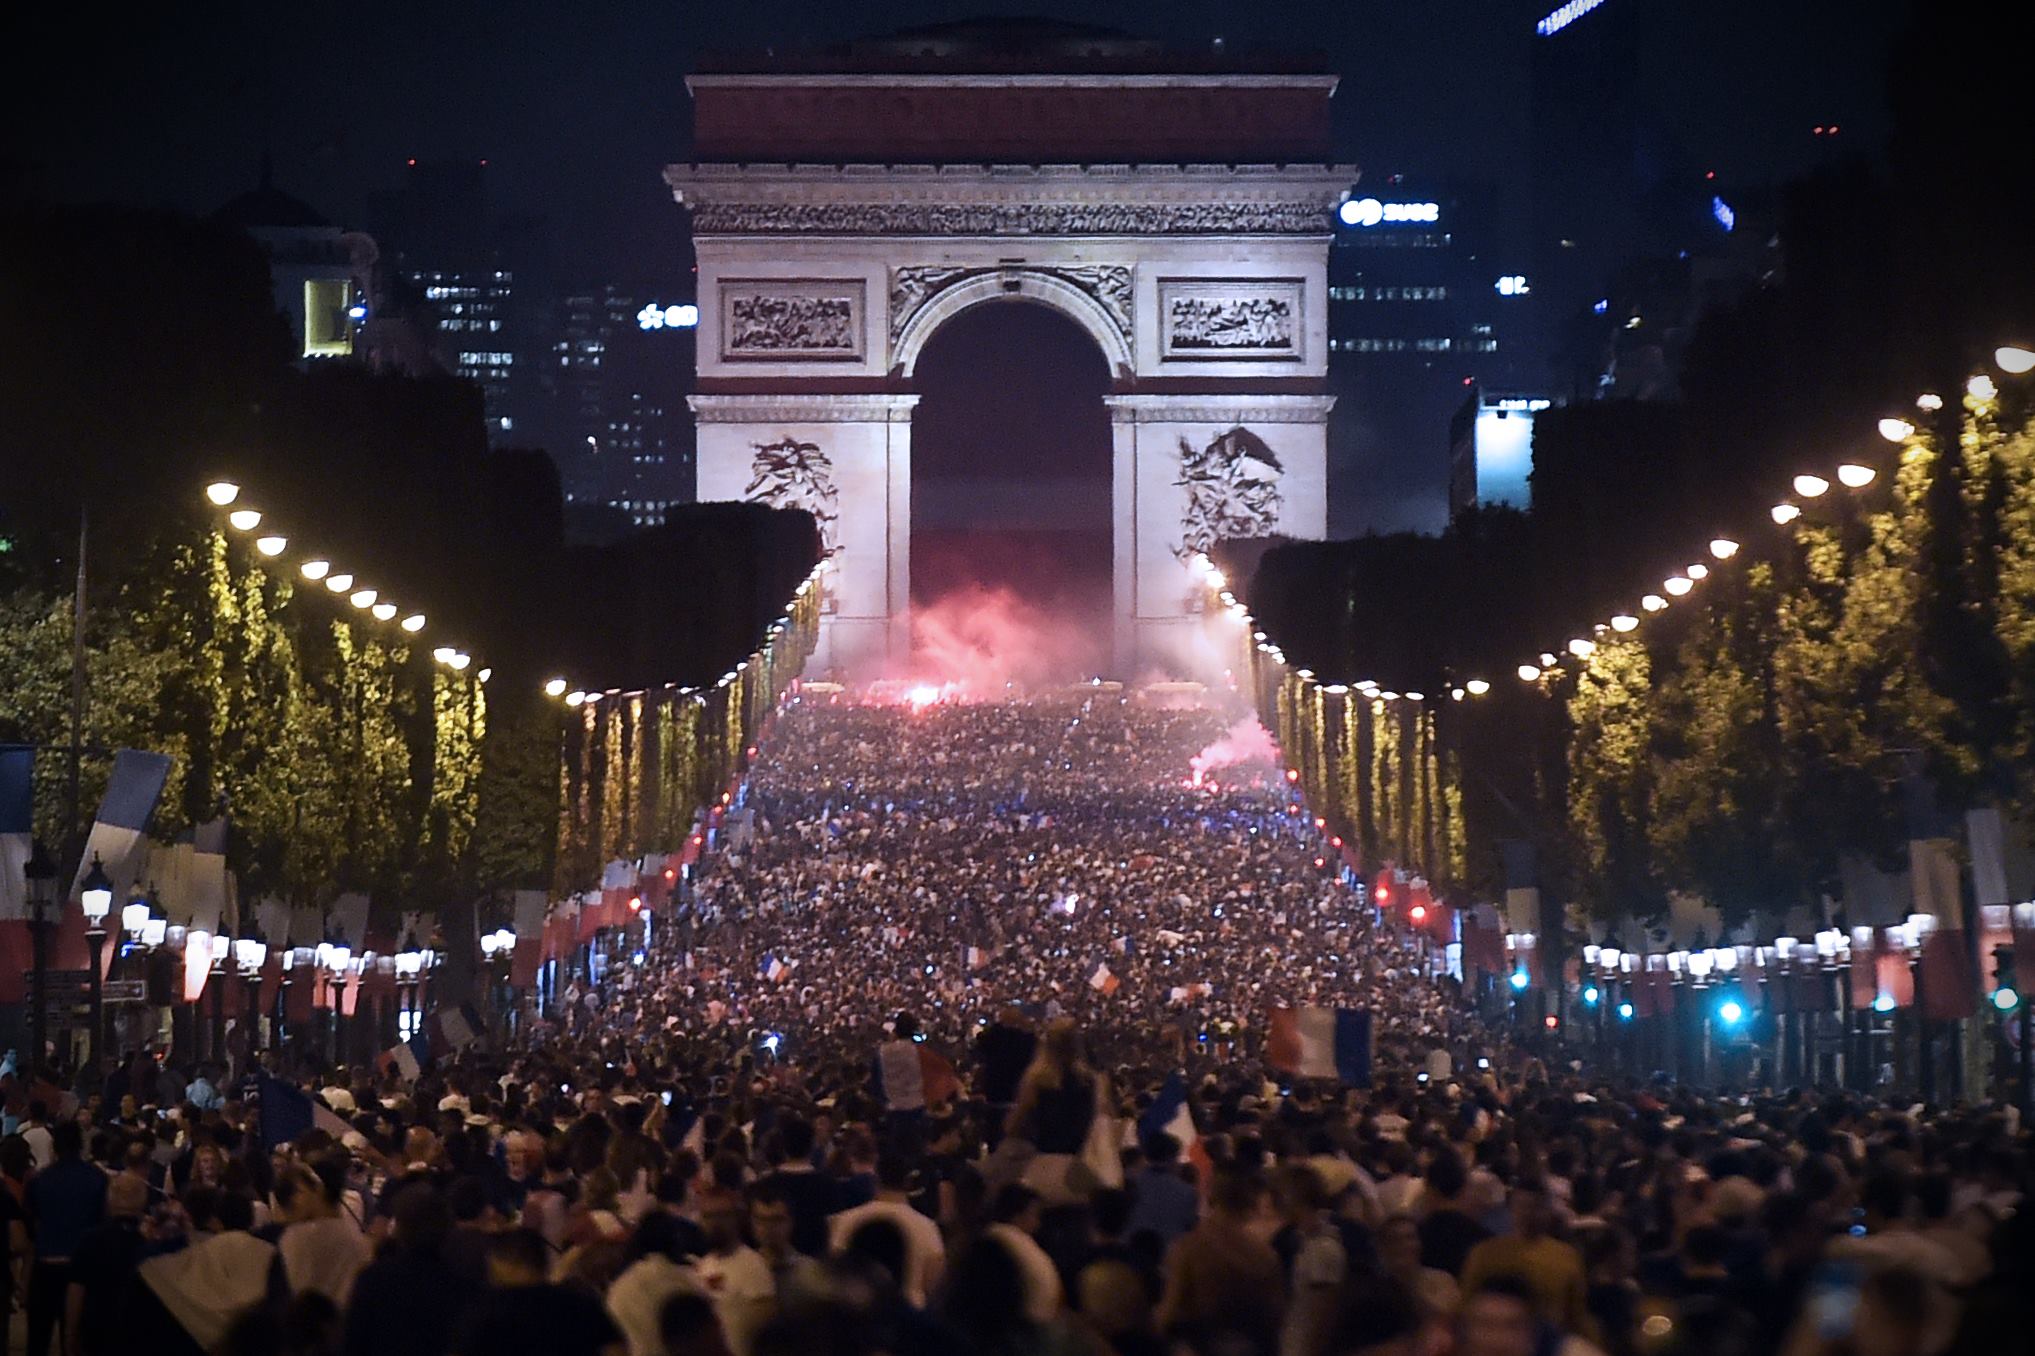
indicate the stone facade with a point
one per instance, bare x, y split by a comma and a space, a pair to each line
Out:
1204, 287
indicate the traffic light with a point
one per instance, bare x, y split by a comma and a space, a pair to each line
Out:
2006, 989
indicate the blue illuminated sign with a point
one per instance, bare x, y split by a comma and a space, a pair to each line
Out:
1721, 210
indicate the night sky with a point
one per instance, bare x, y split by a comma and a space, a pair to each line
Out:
578, 107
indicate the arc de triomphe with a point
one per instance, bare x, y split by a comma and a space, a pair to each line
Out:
845, 207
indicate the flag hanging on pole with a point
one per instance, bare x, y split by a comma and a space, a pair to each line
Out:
17, 826
118, 837
1322, 1043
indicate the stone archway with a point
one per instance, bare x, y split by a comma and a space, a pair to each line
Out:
1095, 297
1204, 285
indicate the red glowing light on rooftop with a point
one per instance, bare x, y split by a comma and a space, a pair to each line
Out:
1292, 774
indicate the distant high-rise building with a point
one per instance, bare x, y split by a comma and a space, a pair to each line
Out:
1414, 315
616, 385
1491, 450
481, 278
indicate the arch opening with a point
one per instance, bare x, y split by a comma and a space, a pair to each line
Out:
1011, 515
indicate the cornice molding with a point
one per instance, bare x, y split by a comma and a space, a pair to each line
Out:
802, 409
1215, 409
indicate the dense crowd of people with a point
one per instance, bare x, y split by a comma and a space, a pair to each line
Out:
864, 1095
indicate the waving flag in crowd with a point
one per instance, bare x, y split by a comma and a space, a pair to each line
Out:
1322, 1043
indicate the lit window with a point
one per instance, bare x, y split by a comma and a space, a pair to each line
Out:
327, 333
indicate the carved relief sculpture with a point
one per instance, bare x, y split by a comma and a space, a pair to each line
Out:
791, 319
792, 474
912, 287
1212, 319
1232, 490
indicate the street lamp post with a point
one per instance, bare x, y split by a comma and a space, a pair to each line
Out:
40, 872
250, 953
95, 897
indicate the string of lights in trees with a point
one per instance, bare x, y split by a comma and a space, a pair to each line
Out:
318, 569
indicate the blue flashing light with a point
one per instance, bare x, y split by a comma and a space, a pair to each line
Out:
1721, 210
1884, 1003
1625, 1012
357, 312
1519, 979
1591, 995
1602, 305
1732, 1011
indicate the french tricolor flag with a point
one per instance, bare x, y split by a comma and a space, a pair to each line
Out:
1169, 1112
1103, 981
1322, 1043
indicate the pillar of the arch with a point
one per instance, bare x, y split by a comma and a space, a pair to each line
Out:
847, 460
1191, 469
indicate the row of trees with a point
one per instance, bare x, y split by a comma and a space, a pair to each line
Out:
1847, 682
341, 755
1858, 682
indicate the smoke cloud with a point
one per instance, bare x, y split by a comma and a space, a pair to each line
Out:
1244, 742
975, 639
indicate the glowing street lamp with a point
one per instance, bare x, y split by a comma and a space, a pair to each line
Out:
1723, 548
1698, 571
1783, 514
1653, 602
222, 492
1529, 673
315, 570
1678, 584
363, 598
1476, 687
244, 520
1896, 430
1625, 621
1582, 649
414, 622
2014, 359
339, 583
1853, 476
555, 688
1809, 487
271, 545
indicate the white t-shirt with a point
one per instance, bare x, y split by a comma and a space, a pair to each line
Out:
743, 1292
637, 1298
926, 1250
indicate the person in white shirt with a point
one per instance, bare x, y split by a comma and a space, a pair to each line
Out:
637, 1298
927, 1250
733, 1274
35, 1130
